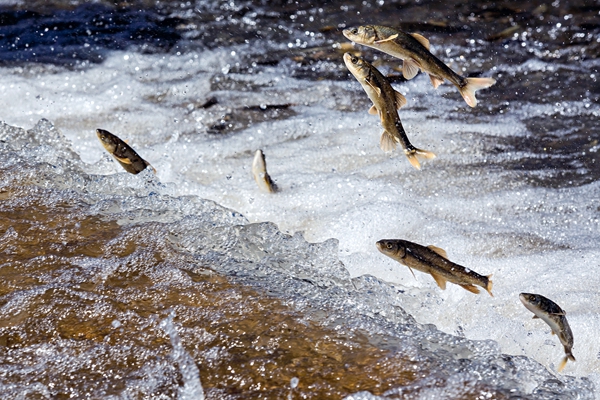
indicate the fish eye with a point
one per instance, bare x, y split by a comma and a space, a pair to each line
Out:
354, 60
389, 246
354, 31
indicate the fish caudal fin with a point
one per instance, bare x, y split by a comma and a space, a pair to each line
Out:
387, 141
416, 155
563, 363
150, 166
473, 85
489, 285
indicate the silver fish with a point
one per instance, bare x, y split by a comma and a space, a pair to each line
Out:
434, 261
385, 103
413, 49
262, 178
554, 316
122, 152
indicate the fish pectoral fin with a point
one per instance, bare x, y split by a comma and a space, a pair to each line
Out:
438, 250
559, 314
412, 272
124, 160
387, 141
435, 81
389, 38
410, 68
400, 99
373, 110
441, 282
375, 88
470, 288
535, 317
421, 39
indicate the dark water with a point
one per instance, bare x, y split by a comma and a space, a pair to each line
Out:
561, 37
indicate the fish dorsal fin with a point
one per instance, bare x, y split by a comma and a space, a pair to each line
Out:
441, 282
421, 39
124, 160
400, 99
435, 81
373, 110
387, 142
470, 288
375, 88
535, 317
437, 250
410, 68
389, 38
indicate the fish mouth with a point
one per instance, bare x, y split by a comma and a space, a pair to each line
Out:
100, 134
523, 298
379, 246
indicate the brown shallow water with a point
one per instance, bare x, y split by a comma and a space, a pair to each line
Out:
246, 343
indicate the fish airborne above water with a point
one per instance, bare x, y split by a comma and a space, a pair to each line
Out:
554, 316
433, 260
385, 103
413, 49
122, 152
259, 170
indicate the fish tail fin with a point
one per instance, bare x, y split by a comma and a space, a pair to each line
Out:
489, 285
415, 155
387, 141
563, 363
473, 85
149, 165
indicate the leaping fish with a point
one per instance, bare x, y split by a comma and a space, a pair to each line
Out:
554, 316
262, 178
385, 103
413, 49
122, 152
434, 261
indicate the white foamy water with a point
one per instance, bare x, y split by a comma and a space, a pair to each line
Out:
335, 182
